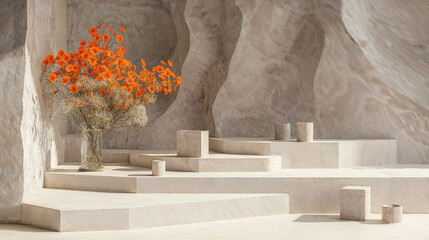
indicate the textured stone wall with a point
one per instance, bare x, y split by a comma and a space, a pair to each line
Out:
13, 18
272, 69
37, 126
27, 136
355, 69
396, 43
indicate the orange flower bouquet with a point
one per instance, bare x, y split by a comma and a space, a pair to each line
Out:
102, 88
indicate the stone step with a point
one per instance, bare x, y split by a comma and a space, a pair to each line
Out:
66, 211
315, 154
214, 162
311, 190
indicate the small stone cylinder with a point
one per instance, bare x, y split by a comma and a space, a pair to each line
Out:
391, 213
304, 131
158, 168
282, 131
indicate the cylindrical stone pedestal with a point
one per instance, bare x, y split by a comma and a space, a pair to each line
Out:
391, 213
304, 131
282, 131
158, 168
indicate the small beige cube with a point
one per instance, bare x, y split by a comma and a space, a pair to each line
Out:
158, 168
192, 143
355, 203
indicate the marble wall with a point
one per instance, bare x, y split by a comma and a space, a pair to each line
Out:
355, 69
28, 145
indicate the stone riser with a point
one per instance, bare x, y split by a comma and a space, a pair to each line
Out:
85, 215
212, 163
316, 154
307, 194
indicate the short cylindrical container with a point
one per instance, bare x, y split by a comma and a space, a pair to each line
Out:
91, 150
158, 168
391, 213
304, 131
282, 131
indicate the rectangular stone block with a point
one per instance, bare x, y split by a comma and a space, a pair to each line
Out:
192, 143
355, 203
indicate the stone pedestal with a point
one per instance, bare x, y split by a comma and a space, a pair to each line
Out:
192, 143
304, 131
158, 168
282, 131
391, 213
355, 203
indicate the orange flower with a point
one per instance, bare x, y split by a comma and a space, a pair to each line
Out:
92, 30
73, 88
107, 75
92, 60
83, 43
123, 30
110, 54
129, 81
94, 50
163, 62
178, 80
139, 93
61, 63
61, 53
159, 87
96, 37
65, 80
170, 64
66, 58
85, 55
50, 59
70, 68
151, 88
106, 37
120, 38
53, 77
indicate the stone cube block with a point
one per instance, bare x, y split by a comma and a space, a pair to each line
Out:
282, 131
304, 131
192, 143
158, 167
355, 203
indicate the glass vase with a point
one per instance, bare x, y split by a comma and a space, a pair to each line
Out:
91, 150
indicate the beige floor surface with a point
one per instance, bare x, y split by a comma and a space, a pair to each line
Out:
296, 227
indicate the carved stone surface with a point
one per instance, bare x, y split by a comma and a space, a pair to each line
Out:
320, 61
27, 146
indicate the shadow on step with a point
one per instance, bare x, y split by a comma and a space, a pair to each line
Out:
318, 218
331, 218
